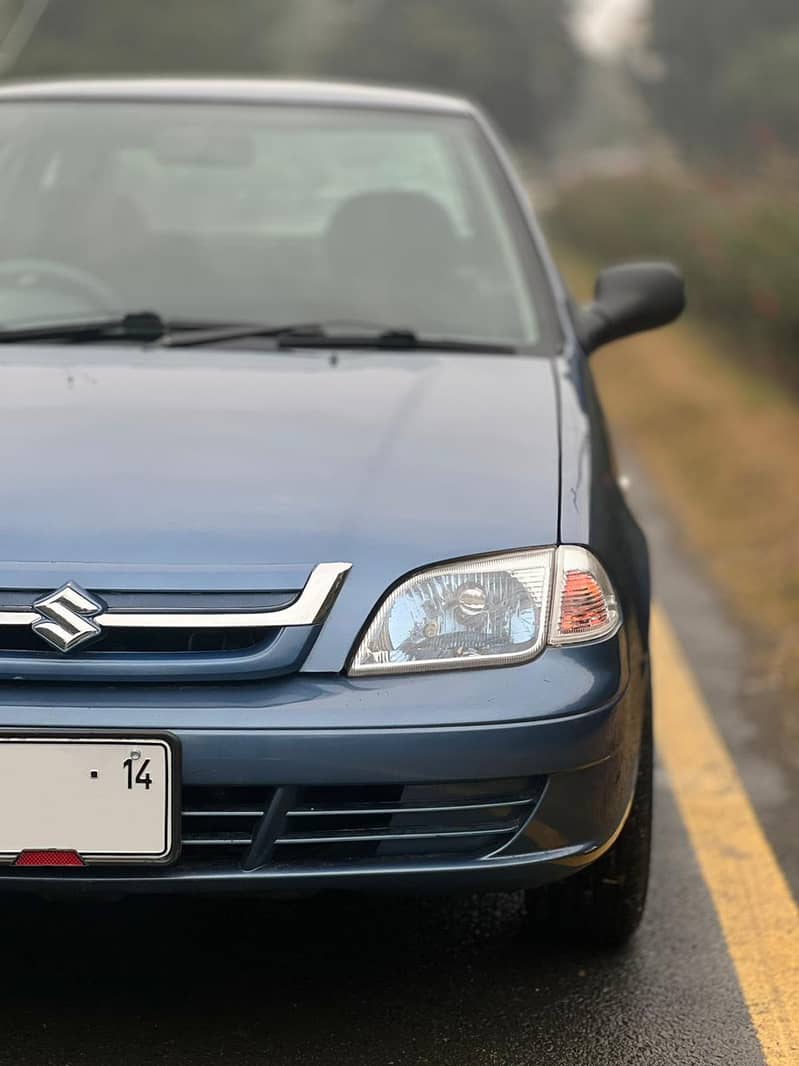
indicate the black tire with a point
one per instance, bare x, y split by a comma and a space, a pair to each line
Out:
602, 905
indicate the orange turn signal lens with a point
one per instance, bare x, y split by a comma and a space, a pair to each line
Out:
585, 608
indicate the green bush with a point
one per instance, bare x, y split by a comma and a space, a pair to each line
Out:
738, 246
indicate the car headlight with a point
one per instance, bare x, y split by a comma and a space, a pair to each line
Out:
494, 611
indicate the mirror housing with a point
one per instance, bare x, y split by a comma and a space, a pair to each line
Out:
628, 299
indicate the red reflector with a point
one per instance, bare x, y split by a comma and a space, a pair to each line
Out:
48, 858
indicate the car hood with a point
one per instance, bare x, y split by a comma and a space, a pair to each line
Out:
203, 468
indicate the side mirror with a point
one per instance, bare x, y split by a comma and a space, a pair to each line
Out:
628, 299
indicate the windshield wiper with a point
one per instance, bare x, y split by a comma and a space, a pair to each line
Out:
143, 326
319, 335
148, 327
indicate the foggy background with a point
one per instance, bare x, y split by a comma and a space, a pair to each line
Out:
662, 128
688, 110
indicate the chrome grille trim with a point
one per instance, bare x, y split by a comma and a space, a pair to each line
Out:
217, 842
19, 618
342, 825
219, 823
321, 812
153, 602
346, 837
223, 814
310, 608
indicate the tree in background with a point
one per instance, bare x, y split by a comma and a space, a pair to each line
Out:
760, 86
728, 74
516, 57
151, 36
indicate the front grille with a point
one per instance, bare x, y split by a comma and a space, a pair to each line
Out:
21, 599
219, 823
229, 829
75, 634
21, 640
387, 823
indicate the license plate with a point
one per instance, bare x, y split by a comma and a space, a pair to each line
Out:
110, 799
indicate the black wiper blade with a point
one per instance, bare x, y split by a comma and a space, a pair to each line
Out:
397, 340
143, 326
319, 335
196, 338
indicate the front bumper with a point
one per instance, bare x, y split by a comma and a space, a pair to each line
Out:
564, 731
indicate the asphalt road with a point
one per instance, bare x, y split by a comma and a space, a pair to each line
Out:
342, 981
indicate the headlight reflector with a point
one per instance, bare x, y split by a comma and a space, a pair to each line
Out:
492, 611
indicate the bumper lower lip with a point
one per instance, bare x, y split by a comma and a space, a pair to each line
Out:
495, 874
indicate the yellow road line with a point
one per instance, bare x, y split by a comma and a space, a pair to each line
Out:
757, 912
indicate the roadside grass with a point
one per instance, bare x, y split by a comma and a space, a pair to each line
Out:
722, 444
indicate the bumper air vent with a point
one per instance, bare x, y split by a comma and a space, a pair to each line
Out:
389, 823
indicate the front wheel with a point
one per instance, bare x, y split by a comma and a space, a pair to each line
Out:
603, 904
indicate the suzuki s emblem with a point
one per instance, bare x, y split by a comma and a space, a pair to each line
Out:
66, 617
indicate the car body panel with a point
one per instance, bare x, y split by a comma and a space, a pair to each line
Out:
174, 463
561, 683
594, 510
262, 91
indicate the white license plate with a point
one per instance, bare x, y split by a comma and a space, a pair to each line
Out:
110, 799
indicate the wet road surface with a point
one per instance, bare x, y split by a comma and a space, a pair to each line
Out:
378, 981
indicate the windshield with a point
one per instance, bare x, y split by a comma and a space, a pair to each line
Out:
263, 214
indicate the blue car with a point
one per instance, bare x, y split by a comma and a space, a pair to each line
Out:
315, 572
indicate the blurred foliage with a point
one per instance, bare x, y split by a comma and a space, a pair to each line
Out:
517, 58
727, 75
760, 85
150, 36
738, 245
